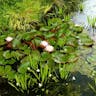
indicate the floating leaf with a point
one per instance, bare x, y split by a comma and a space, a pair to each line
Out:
16, 43
7, 54
72, 58
23, 67
2, 72
60, 58
67, 49
45, 56
61, 42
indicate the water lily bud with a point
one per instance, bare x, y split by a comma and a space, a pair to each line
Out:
28, 68
66, 84
17, 84
40, 84
43, 44
73, 78
9, 39
38, 70
50, 75
49, 48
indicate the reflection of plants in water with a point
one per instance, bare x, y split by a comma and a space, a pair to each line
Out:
81, 7
63, 89
93, 87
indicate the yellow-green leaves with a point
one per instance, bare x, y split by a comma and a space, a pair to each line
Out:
44, 70
61, 41
7, 54
21, 81
64, 70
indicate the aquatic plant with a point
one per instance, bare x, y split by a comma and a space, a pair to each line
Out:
24, 62
81, 7
92, 21
64, 70
93, 87
29, 65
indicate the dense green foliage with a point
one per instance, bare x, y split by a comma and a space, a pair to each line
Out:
23, 62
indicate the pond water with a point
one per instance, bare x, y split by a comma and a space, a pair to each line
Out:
87, 63
80, 18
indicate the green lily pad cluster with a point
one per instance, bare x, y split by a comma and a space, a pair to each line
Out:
85, 40
28, 64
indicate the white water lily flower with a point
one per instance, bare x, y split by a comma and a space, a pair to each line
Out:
9, 39
40, 84
73, 78
49, 48
43, 44
38, 70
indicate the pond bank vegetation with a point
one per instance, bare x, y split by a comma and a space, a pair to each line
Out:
39, 44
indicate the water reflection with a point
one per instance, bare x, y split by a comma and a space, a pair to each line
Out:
81, 17
78, 87
89, 10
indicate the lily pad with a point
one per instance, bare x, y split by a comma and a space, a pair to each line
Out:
86, 40
2, 40
67, 49
72, 41
77, 29
45, 56
72, 58
7, 54
2, 72
61, 42
23, 67
60, 58
92, 59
